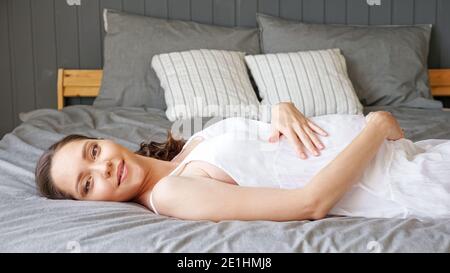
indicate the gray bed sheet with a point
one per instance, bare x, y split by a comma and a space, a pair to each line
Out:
30, 223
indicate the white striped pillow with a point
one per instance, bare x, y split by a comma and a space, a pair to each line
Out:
315, 81
205, 83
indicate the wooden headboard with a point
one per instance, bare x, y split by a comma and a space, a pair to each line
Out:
78, 83
440, 82
86, 83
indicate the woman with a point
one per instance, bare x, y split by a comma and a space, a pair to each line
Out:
358, 166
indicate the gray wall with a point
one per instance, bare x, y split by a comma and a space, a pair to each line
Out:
38, 36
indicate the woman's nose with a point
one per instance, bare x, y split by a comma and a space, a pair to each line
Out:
109, 169
105, 168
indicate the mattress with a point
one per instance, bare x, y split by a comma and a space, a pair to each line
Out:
30, 223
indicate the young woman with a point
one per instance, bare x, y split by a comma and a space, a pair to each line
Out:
238, 169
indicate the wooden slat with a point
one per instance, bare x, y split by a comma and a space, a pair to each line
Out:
82, 77
78, 83
60, 87
440, 77
81, 91
441, 91
440, 82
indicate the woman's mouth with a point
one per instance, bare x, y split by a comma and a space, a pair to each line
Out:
122, 172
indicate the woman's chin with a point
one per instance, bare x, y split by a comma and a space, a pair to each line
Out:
130, 189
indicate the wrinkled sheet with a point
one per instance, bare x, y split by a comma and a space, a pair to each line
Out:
30, 223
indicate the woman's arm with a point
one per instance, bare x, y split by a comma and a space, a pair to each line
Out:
202, 198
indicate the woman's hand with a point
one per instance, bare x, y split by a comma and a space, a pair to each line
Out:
300, 131
387, 122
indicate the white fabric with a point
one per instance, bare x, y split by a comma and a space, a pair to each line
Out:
205, 83
152, 205
404, 179
315, 81
420, 176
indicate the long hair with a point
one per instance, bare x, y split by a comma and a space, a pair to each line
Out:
46, 186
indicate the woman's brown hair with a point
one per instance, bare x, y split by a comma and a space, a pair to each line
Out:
163, 151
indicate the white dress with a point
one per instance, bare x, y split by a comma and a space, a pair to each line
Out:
404, 179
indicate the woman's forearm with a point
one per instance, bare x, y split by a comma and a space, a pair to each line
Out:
333, 181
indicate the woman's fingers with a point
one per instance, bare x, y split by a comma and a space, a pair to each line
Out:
295, 141
306, 140
274, 136
315, 140
317, 129
302, 134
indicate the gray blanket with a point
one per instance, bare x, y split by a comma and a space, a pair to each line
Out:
31, 223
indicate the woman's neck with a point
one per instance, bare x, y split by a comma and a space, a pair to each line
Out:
155, 171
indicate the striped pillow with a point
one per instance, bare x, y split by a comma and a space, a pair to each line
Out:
315, 81
205, 83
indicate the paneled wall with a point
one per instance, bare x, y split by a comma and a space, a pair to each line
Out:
38, 36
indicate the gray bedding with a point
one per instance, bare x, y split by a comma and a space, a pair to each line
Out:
34, 224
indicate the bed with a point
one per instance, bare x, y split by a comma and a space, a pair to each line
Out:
30, 223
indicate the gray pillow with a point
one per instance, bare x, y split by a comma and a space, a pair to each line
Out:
132, 40
387, 64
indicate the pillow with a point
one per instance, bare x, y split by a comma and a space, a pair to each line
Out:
205, 83
386, 64
132, 40
315, 81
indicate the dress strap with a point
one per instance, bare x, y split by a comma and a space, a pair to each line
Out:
153, 205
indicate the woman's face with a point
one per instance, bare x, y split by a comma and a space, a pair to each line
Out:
88, 170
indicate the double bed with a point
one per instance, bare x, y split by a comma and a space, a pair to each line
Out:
131, 111
32, 223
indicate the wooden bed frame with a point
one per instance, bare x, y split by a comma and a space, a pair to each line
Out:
78, 83
86, 83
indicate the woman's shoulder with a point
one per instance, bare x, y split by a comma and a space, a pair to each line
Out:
165, 192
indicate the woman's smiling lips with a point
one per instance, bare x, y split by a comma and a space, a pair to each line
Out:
122, 172
119, 168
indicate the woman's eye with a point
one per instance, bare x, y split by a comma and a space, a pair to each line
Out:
87, 186
95, 151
